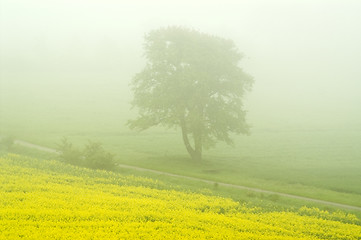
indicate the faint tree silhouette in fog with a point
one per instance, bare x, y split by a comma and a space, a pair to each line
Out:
192, 80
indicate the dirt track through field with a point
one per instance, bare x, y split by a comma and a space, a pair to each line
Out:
46, 149
31, 145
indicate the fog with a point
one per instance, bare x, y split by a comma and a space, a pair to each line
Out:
304, 55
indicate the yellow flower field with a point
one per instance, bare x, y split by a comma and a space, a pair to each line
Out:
42, 199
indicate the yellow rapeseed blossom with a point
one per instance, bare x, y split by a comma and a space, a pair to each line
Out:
50, 200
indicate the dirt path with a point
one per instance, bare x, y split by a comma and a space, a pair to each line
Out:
30, 145
243, 187
46, 149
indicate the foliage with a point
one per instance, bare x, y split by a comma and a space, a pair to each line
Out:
192, 80
336, 216
70, 154
96, 157
93, 156
50, 200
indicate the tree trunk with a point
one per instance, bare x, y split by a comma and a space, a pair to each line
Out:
189, 148
197, 145
196, 152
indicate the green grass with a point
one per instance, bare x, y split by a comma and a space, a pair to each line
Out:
318, 163
266, 202
307, 166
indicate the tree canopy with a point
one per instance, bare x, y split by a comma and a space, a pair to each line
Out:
192, 80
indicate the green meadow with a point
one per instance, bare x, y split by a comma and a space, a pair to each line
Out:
318, 163
78, 78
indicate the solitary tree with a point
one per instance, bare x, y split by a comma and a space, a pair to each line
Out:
192, 80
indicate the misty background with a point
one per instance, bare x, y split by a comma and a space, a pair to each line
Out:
69, 62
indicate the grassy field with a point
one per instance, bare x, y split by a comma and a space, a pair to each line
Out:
47, 204
321, 163
69, 72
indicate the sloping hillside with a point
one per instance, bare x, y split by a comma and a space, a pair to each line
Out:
50, 200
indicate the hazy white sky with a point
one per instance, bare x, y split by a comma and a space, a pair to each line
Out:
305, 56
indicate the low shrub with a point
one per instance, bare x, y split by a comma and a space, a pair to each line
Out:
92, 156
